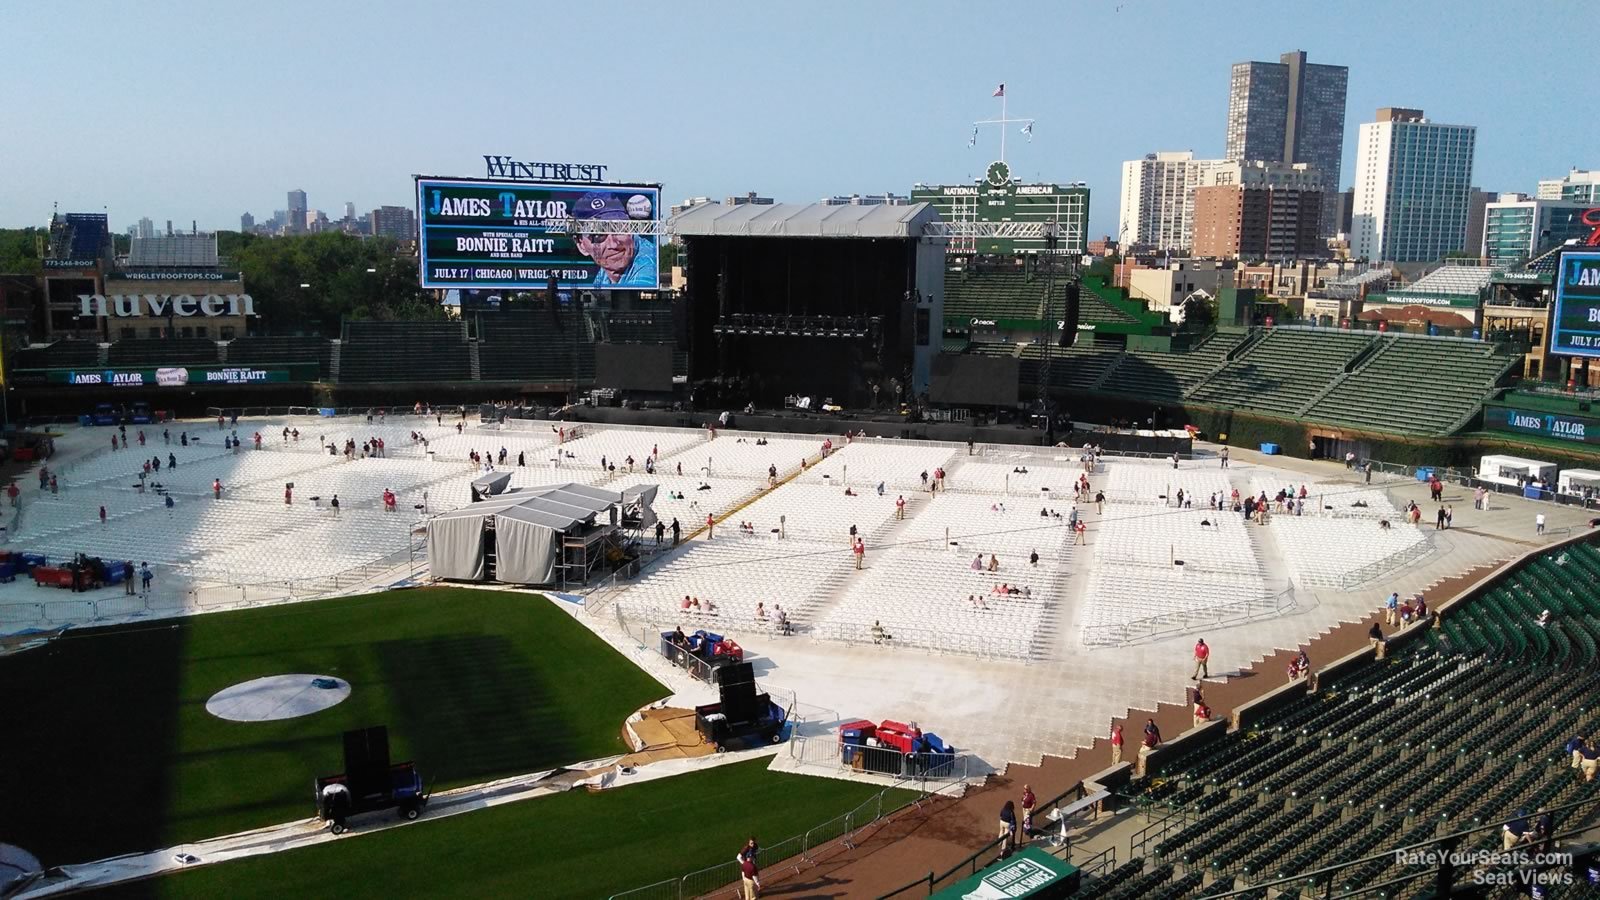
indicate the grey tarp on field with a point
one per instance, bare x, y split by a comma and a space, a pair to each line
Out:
455, 547
525, 551
528, 525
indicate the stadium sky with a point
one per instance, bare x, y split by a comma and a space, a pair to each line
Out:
202, 111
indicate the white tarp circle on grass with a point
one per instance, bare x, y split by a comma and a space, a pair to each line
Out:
277, 697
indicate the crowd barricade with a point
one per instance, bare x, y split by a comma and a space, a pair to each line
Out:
791, 853
1251, 609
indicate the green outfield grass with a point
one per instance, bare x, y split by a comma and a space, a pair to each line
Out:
576, 844
108, 747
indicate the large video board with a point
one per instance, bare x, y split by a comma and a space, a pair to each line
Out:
517, 235
1575, 325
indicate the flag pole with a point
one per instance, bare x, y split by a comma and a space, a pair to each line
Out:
1002, 122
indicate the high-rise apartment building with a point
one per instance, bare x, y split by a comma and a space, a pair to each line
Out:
1477, 200
1259, 211
349, 211
1518, 227
397, 222
1582, 185
297, 212
1157, 206
247, 223
1290, 111
147, 228
1413, 187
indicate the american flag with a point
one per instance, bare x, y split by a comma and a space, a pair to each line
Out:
1000, 91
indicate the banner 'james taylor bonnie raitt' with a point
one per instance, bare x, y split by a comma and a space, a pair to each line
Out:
517, 235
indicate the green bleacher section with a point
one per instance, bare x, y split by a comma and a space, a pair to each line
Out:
1071, 368
65, 354
163, 352
1019, 295
268, 350
404, 351
1168, 376
1282, 372
997, 295
1458, 730
528, 346
1415, 386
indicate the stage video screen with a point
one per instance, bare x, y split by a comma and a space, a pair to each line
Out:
633, 367
974, 380
510, 234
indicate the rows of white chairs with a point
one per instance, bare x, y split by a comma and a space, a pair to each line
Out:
1046, 482
1203, 539
819, 513
737, 454
1157, 483
909, 590
1119, 594
1337, 500
1008, 528
735, 572
1331, 551
864, 463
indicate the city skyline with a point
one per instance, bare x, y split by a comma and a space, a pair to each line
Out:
862, 128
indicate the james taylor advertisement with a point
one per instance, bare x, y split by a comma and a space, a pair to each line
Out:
1576, 326
492, 234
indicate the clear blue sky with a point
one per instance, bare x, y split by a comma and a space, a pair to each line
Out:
189, 110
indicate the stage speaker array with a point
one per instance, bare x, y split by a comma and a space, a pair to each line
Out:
1069, 324
680, 322
737, 684
366, 759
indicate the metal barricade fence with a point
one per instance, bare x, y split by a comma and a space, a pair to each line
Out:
828, 752
1121, 633
722, 879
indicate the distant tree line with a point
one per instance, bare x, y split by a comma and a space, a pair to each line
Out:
307, 284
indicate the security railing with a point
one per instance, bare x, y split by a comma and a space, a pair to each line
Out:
722, 879
827, 752
1182, 621
980, 646
1368, 572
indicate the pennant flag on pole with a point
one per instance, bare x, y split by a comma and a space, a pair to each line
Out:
1028, 130
973, 141
1000, 91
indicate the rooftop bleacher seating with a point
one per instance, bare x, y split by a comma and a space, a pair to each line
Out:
404, 351
162, 352
1456, 731
255, 351
1415, 385
1453, 280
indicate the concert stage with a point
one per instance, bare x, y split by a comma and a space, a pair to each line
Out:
841, 303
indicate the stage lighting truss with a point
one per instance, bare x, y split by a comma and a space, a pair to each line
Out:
931, 229
754, 324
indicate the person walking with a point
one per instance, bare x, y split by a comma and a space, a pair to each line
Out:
1391, 608
711, 527
216, 488
1116, 743
1033, 558
1224, 455
1008, 828
1202, 658
677, 530
102, 515
899, 505
1538, 524
145, 576
1027, 802
129, 573
749, 869
860, 550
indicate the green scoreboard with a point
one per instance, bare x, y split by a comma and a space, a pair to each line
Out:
997, 197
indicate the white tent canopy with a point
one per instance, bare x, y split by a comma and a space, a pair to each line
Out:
529, 527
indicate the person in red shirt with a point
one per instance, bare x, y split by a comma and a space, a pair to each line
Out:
711, 527
216, 488
1202, 656
1116, 743
860, 550
900, 507
1028, 802
1202, 713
